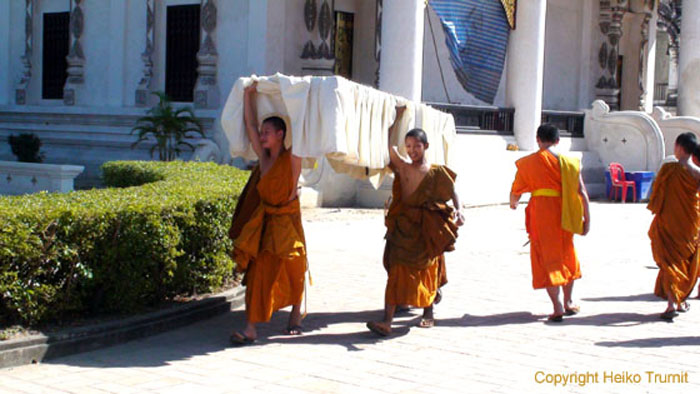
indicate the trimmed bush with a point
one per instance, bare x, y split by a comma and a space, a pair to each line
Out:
160, 230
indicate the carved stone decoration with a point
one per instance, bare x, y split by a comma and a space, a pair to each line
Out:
76, 57
324, 21
310, 10
378, 39
603, 55
309, 51
143, 91
22, 86
610, 23
325, 26
206, 92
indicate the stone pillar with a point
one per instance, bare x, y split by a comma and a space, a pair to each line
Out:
525, 71
143, 91
689, 61
117, 49
76, 57
672, 90
647, 61
206, 91
22, 87
257, 42
608, 86
401, 59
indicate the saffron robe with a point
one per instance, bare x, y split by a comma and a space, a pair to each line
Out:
674, 231
420, 229
552, 254
269, 243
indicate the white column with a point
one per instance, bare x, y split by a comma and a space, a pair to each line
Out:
117, 46
401, 62
689, 61
257, 34
649, 66
525, 73
6, 88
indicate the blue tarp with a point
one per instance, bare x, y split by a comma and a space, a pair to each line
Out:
476, 33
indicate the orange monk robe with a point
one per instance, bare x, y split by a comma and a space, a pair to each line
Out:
419, 230
552, 253
269, 244
674, 231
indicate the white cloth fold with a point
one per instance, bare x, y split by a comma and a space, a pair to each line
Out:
342, 120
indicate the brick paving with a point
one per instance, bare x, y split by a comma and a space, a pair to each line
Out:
491, 335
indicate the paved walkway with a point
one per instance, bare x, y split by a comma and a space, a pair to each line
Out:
491, 336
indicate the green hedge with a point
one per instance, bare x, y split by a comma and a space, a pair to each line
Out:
160, 230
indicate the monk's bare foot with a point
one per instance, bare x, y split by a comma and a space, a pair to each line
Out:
426, 323
669, 315
683, 307
555, 318
572, 309
380, 328
294, 330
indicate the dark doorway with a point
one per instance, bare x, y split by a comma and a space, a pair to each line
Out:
181, 46
343, 41
55, 49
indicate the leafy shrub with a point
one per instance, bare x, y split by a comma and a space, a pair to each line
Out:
26, 148
161, 230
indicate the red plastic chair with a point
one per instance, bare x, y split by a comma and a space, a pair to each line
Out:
617, 177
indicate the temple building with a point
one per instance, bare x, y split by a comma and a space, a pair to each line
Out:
78, 73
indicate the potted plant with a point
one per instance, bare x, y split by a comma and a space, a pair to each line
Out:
26, 148
169, 127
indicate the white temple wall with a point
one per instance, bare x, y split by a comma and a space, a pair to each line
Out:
562, 55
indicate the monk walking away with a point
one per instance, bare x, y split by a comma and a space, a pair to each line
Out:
558, 208
674, 230
268, 238
420, 228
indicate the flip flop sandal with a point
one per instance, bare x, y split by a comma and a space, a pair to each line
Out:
685, 307
294, 330
574, 310
378, 329
668, 316
240, 339
555, 318
426, 323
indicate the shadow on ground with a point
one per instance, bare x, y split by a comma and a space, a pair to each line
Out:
653, 342
635, 297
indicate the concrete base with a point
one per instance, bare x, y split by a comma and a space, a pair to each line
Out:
24, 178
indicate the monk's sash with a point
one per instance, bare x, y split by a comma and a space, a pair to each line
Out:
546, 193
571, 204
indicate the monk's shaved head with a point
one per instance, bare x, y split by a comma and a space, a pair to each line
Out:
688, 142
547, 132
418, 134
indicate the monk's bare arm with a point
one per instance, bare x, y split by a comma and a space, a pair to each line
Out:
586, 205
296, 172
458, 208
250, 116
514, 200
395, 160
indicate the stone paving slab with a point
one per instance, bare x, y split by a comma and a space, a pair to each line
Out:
491, 335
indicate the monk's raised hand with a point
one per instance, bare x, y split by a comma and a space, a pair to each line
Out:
252, 88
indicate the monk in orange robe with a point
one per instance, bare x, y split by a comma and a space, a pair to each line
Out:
558, 208
420, 228
674, 230
267, 233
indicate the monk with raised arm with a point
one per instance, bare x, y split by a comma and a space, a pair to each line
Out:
674, 230
558, 208
421, 227
268, 238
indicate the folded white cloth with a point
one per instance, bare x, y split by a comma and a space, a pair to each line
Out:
344, 121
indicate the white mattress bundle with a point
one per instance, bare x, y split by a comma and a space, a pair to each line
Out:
344, 121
